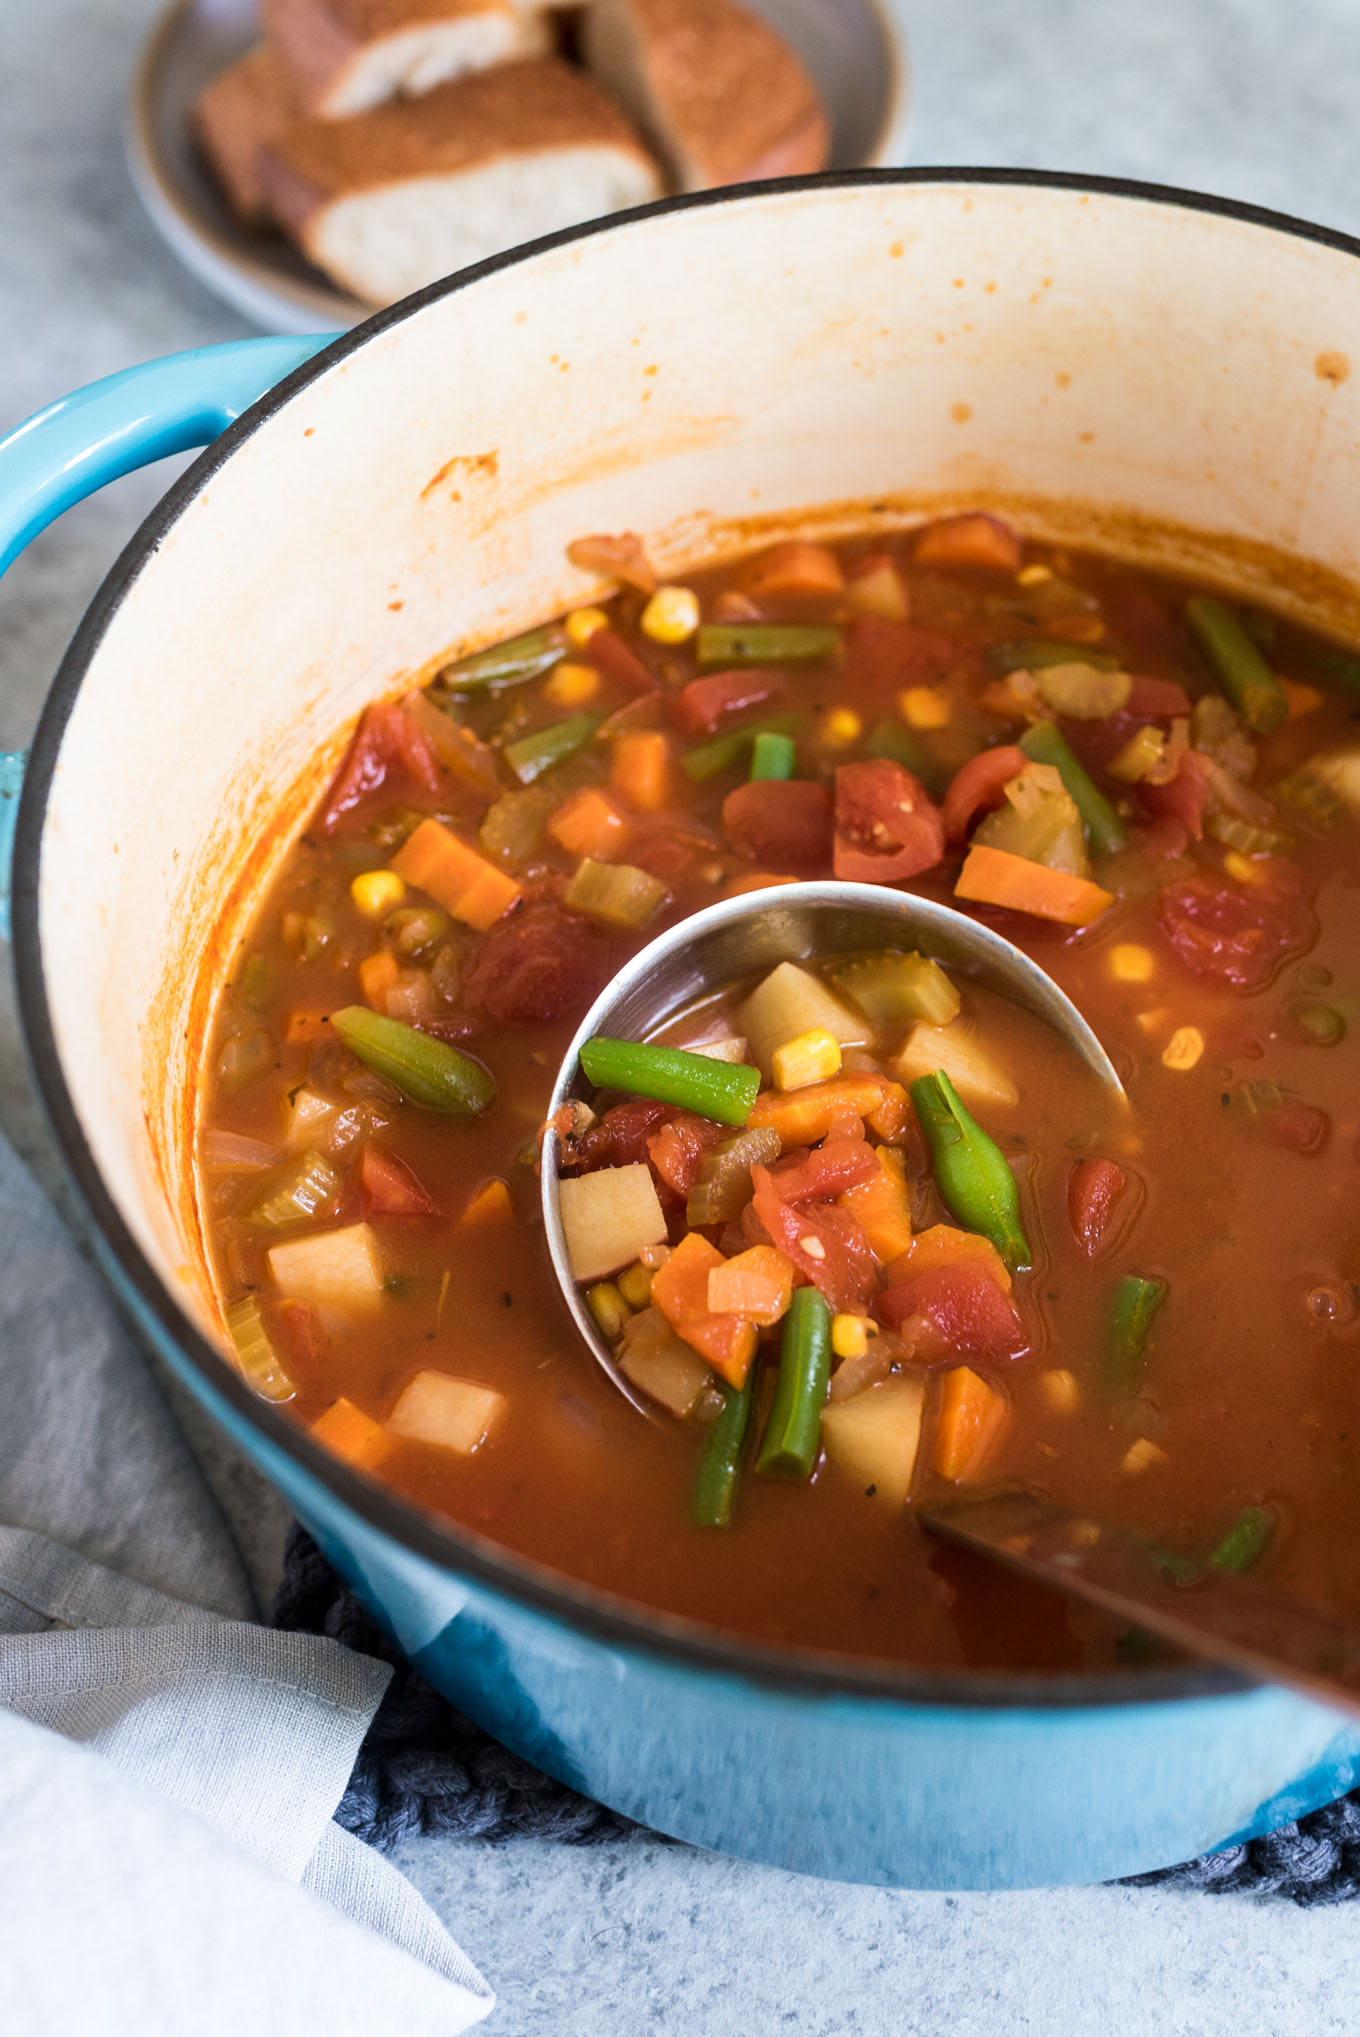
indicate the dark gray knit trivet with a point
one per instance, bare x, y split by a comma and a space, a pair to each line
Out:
424, 1767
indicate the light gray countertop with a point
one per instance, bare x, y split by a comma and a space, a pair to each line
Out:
1244, 97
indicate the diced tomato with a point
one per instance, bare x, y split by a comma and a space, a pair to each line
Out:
826, 1170
951, 1311
826, 1244
621, 1137
1156, 699
388, 753
782, 824
538, 965
979, 786
1299, 1127
705, 704
674, 850
975, 539
390, 1188
1183, 799
887, 825
1226, 933
882, 656
1162, 839
1093, 1189
615, 659
676, 1152
300, 1333
1138, 619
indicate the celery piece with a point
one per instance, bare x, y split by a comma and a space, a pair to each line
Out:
532, 755
724, 753
426, 1070
1085, 692
1235, 833
1032, 654
1051, 833
893, 989
301, 1190
1311, 795
764, 643
618, 893
723, 1188
721, 1090
512, 827
508, 664
773, 756
255, 1354
1142, 753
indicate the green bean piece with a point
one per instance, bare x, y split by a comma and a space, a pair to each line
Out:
720, 1465
724, 753
1237, 664
507, 664
773, 756
1337, 665
1244, 1542
426, 1070
1136, 1301
721, 1090
890, 739
532, 755
792, 1436
1031, 654
971, 1172
1045, 743
764, 643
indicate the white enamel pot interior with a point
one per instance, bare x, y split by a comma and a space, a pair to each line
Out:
1112, 363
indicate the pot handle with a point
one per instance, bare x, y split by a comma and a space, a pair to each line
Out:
60, 455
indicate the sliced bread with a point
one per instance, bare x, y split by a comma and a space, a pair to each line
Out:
393, 199
346, 56
244, 107
718, 94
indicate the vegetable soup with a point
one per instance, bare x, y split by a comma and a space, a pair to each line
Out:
859, 1231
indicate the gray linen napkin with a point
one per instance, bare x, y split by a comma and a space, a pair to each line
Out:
168, 1769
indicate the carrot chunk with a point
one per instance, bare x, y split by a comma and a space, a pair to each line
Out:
883, 1206
757, 1284
975, 539
803, 1116
944, 1245
492, 1204
348, 1432
455, 876
589, 824
996, 877
680, 1291
640, 769
378, 974
795, 568
972, 1417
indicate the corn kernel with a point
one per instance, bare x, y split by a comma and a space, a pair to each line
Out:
671, 616
849, 1336
1131, 963
840, 728
814, 1056
924, 707
1239, 867
572, 685
609, 1309
636, 1285
1140, 1455
377, 892
1033, 576
1060, 1390
1183, 1049
582, 624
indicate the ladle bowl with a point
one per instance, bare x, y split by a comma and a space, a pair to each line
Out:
710, 952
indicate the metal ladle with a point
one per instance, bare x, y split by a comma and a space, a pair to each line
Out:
728, 943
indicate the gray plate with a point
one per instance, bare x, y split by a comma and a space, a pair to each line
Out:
854, 49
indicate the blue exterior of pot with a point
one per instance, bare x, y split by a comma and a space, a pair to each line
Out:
887, 1778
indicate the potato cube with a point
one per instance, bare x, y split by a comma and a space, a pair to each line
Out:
792, 1001
451, 1414
609, 1218
334, 1269
875, 1435
974, 1072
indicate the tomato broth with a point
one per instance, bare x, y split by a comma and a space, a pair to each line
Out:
1188, 1305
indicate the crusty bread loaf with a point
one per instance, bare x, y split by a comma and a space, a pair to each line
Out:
346, 56
244, 107
718, 94
393, 199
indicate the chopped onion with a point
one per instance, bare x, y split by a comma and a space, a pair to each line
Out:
234, 1153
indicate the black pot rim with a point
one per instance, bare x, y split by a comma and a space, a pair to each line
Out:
610, 1621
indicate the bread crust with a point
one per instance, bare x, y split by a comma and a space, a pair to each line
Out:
244, 108
718, 93
522, 108
322, 42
